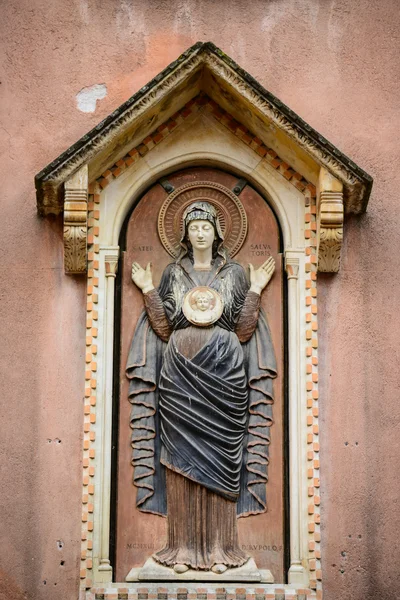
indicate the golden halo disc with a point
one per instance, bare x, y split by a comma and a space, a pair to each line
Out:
231, 214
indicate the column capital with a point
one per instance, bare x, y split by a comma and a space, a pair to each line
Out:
111, 263
292, 264
111, 255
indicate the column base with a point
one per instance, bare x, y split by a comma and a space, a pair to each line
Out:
104, 572
297, 575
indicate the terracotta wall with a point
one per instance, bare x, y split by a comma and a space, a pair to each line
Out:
337, 64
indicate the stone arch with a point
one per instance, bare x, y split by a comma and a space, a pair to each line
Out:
265, 185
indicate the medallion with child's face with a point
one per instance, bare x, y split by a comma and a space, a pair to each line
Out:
202, 306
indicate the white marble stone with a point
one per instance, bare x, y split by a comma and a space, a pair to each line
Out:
153, 571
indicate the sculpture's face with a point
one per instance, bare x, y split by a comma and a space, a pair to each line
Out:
203, 302
201, 234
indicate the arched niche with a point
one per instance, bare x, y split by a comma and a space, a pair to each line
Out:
137, 534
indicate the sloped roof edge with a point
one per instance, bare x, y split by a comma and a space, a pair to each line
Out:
357, 183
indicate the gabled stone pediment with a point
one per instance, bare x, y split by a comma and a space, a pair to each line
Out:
203, 72
203, 67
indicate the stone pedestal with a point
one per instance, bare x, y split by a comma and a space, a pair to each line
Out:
153, 571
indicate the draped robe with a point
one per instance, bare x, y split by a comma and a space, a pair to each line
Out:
201, 403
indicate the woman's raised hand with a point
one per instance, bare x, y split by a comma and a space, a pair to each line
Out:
143, 278
261, 276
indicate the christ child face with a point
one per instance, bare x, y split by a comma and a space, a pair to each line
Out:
203, 302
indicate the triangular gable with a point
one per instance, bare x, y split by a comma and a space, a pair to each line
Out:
203, 68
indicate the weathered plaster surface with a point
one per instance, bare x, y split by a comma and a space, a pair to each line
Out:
333, 62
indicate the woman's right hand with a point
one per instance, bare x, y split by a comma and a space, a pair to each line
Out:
143, 278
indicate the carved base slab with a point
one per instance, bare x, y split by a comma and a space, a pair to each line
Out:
153, 571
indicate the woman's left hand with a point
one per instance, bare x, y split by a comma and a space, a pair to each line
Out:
260, 277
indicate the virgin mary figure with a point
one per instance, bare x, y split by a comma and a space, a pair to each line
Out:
201, 394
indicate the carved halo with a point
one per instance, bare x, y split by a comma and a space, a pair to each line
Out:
231, 214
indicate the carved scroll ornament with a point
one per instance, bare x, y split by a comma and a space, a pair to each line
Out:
75, 222
331, 223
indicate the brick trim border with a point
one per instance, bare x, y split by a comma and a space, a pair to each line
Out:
89, 435
314, 530
200, 593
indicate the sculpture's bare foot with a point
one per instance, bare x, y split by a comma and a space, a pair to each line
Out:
181, 568
219, 569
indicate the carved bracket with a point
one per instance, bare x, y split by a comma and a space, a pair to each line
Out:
75, 222
330, 222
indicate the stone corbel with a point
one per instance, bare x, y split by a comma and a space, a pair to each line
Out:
330, 222
75, 222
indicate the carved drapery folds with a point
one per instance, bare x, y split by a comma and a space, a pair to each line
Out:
75, 222
330, 222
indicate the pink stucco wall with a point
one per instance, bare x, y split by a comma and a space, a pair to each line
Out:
337, 64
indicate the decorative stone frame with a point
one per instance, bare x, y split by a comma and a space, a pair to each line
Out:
308, 183
296, 212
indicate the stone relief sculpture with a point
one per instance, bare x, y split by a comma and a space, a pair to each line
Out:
201, 367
